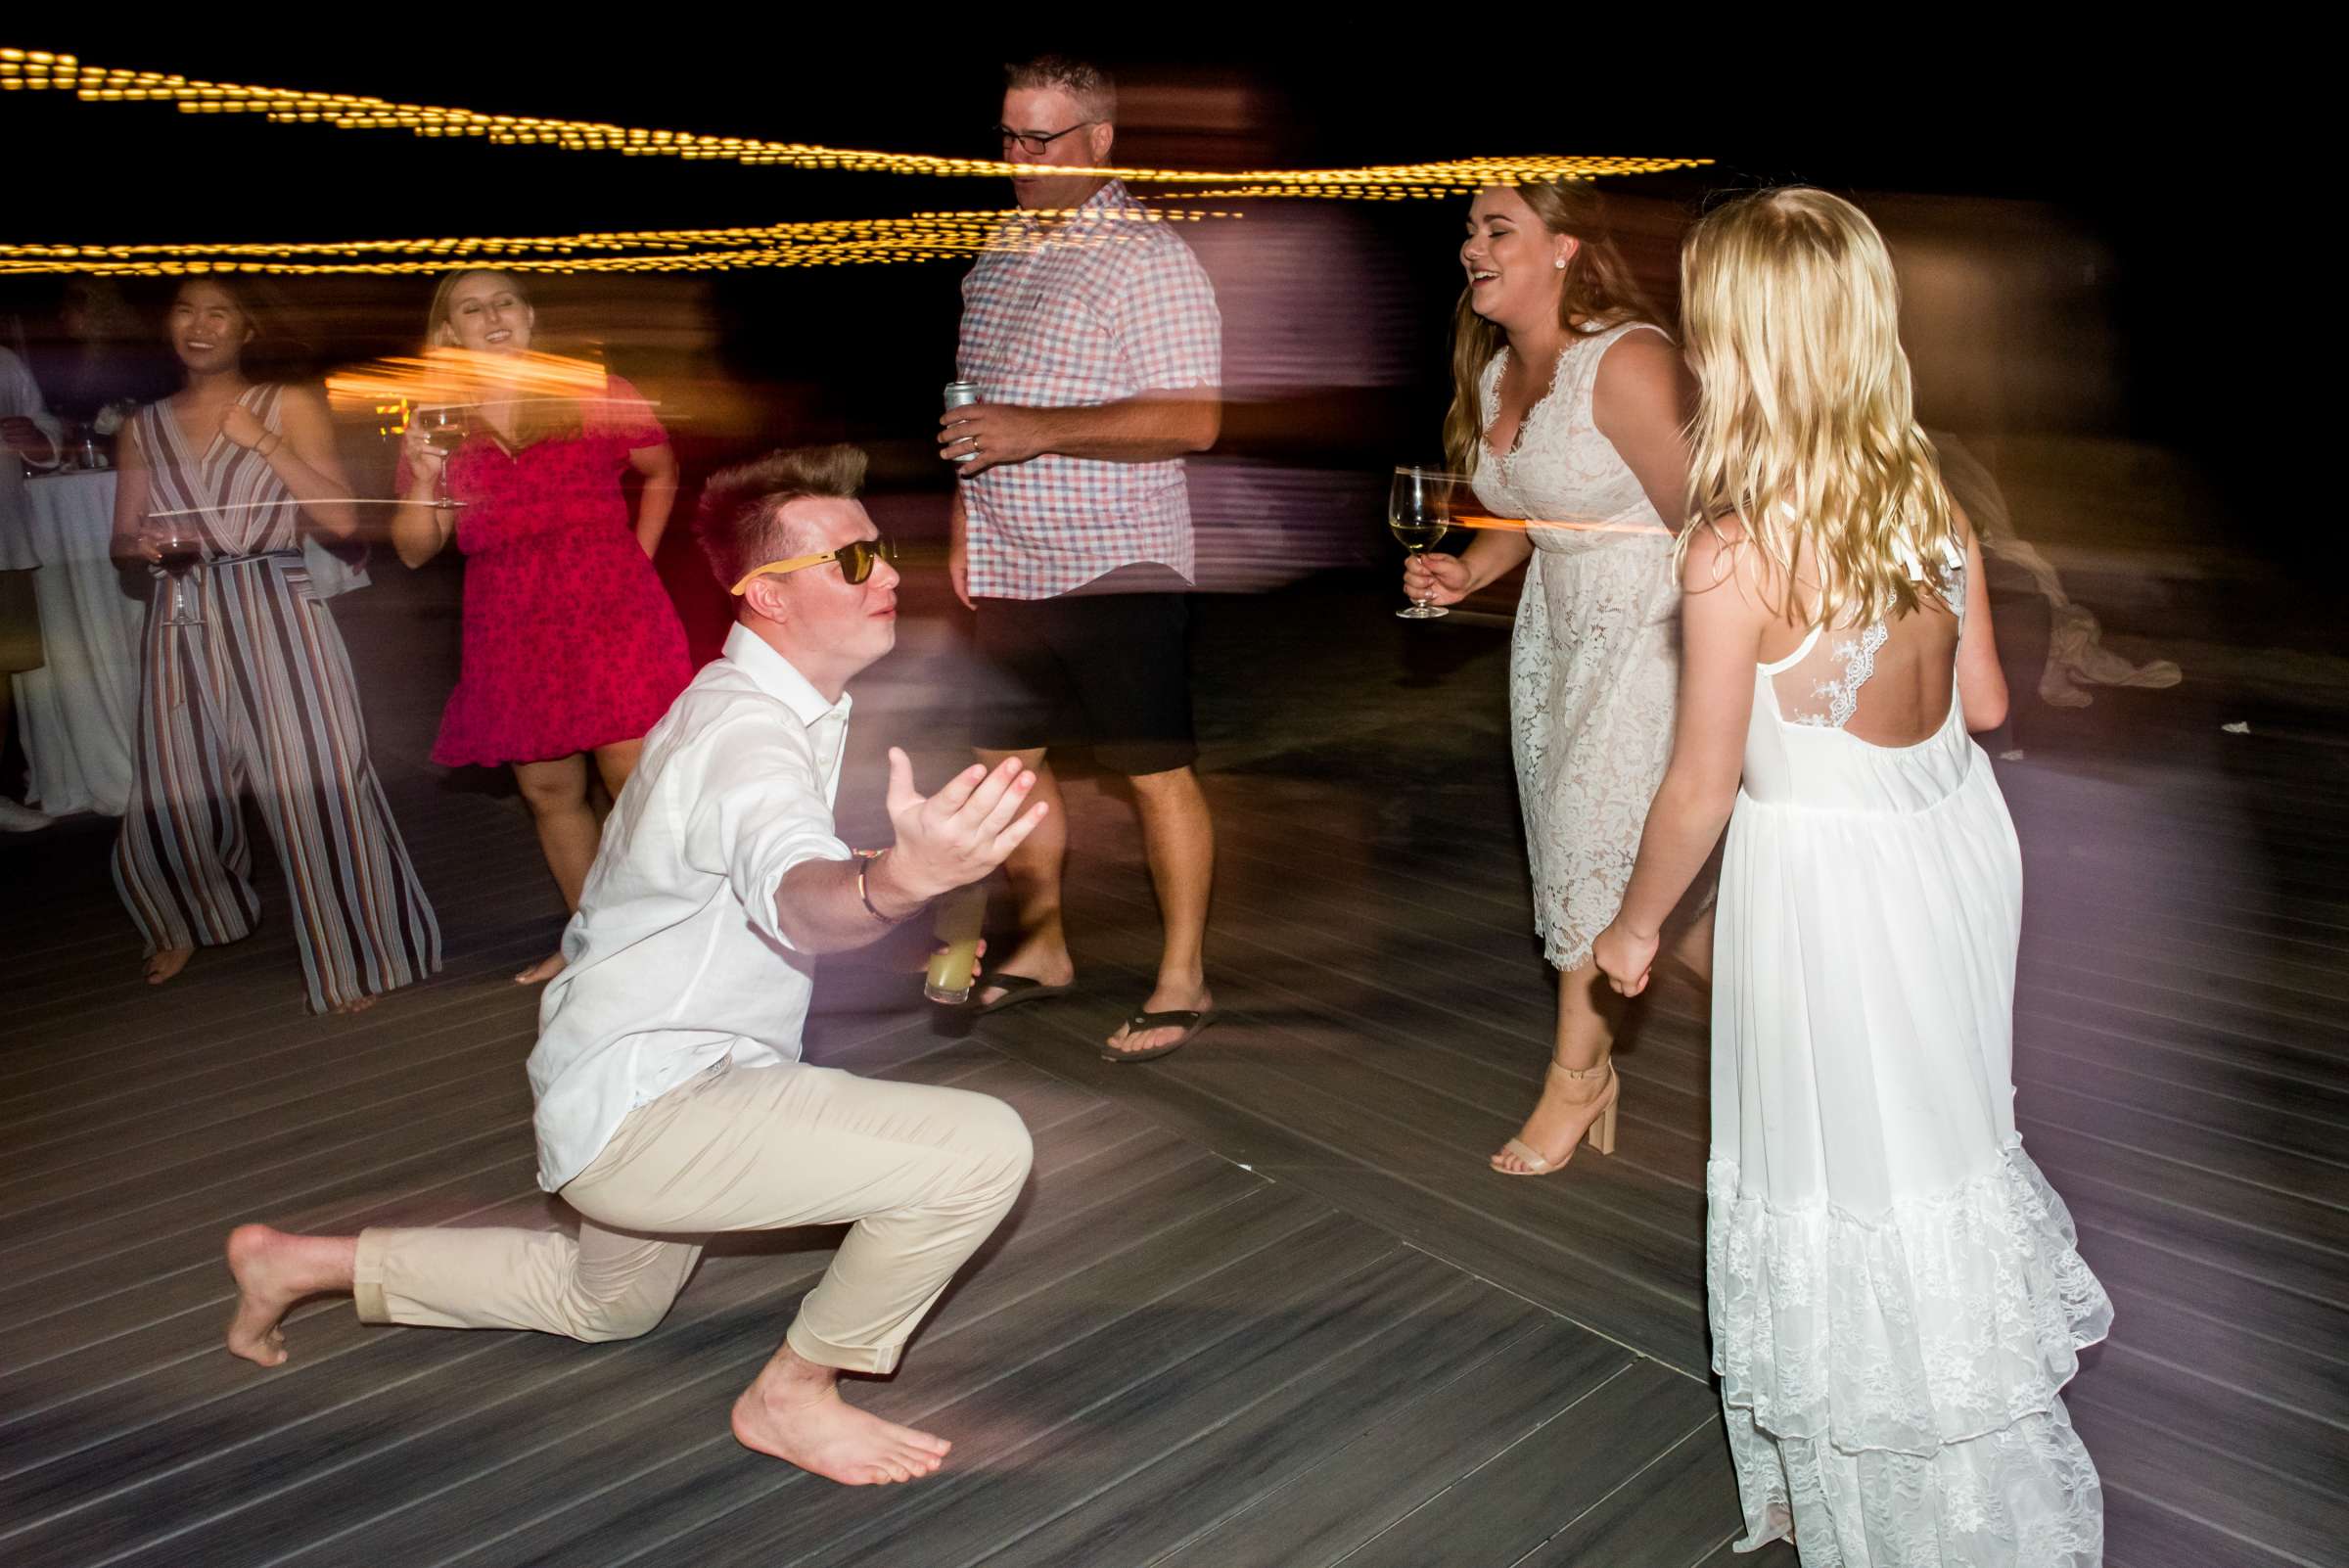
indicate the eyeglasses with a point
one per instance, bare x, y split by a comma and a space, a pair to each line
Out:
855, 558
1034, 145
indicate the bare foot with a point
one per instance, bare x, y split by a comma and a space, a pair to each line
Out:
358, 1004
803, 1420
1171, 996
1567, 1108
165, 962
545, 969
274, 1270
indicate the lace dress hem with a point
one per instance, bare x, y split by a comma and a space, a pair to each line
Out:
2024, 1496
1950, 1318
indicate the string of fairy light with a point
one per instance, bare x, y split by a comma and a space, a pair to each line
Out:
39, 69
922, 236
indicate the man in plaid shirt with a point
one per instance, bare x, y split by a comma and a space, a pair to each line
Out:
1092, 335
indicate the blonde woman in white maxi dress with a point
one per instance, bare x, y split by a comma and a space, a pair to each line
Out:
1568, 411
1894, 1290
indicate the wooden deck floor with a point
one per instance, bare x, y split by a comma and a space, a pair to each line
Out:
1263, 1305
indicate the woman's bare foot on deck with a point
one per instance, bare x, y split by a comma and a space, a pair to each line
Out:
358, 1004
545, 969
792, 1411
274, 1269
165, 963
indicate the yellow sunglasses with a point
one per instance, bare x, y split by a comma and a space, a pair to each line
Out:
855, 558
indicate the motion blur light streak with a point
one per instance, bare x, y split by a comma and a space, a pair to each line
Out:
43, 70
978, 227
452, 376
922, 236
1526, 524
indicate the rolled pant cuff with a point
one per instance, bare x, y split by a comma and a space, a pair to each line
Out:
809, 1348
367, 1281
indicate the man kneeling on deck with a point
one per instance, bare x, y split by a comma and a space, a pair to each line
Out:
671, 1100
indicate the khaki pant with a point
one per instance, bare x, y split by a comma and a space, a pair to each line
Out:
923, 1173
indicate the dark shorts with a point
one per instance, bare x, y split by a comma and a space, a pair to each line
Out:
1108, 666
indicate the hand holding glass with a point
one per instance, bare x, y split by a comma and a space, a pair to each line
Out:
177, 548
443, 432
955, 922
1419, 512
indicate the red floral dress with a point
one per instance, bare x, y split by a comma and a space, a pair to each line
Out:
571, 641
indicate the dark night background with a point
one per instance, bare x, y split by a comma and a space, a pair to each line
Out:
2181, 203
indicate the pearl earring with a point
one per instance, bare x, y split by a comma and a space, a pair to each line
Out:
1560, 263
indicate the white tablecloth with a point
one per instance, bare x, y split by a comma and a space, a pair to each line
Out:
75, 715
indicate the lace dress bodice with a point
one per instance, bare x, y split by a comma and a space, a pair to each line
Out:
1595, 659
1562, 469
1799, 749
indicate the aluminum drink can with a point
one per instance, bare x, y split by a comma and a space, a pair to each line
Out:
959, 394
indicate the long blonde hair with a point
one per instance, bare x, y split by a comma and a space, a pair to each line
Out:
1805, 425
1598, 287
536, 418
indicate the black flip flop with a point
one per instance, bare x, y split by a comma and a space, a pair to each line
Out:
1190, 1022
1016, 988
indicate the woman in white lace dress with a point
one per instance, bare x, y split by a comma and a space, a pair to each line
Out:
1567, 411
1894, 1290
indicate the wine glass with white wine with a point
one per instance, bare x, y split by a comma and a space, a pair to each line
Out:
444, 432
1419, 514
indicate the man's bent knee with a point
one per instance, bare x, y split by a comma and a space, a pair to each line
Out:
997, 1128
599, 1322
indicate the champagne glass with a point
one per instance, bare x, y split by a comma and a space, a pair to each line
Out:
178, 549
1418, 514
443, 432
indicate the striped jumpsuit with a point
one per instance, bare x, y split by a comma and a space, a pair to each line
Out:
258, 697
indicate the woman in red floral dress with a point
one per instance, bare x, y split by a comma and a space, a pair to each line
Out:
571, 649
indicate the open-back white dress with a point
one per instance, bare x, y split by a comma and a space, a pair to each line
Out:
1893, 1287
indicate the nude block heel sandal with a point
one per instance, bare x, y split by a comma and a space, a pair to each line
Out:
1600, 1134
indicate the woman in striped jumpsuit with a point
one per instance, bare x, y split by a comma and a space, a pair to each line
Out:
256, 693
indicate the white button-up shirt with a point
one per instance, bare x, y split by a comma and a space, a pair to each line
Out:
675, 958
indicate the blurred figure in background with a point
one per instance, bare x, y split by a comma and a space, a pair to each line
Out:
243, 682
2071, 654
571, 649
1320, 340
103, 357
2014, 354
1567, 409
1093, 339
30, 437
1895, 1293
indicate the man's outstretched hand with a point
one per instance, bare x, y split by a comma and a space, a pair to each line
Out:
963, 832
